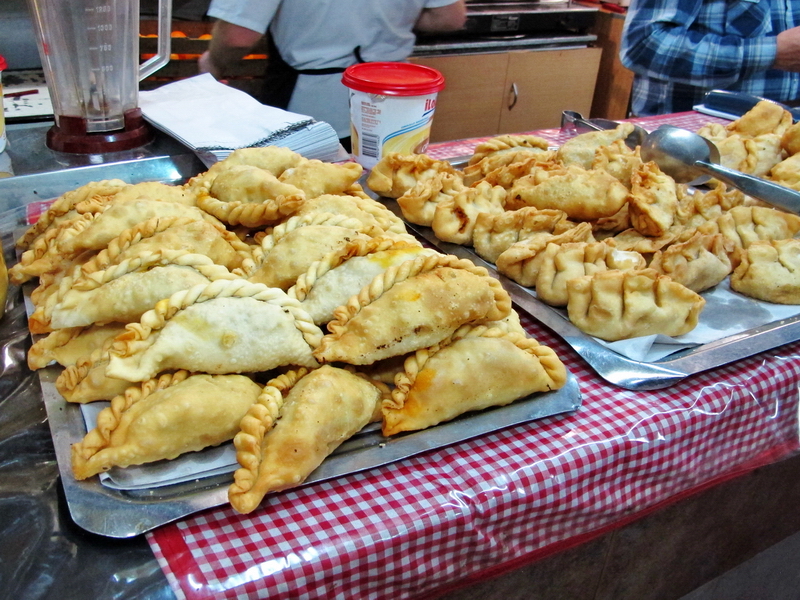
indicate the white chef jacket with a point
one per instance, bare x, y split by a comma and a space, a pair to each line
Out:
318, 34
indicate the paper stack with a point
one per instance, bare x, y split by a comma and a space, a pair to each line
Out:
214, 119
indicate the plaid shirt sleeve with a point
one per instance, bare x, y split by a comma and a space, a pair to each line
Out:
710, 43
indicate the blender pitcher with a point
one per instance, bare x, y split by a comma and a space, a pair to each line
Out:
90, 56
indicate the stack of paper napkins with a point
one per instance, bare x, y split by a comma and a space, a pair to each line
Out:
214, 119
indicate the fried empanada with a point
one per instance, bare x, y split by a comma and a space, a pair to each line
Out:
418, 204
66, 346
454, 218
123, 292
475, 172
790, 140
765, 117
747, 224
770, 271
583, 195
494, 233
331, 281
562, 262
249, 196
787, 172
96, 233
618, 305
504, 143
295, 245
522, 260
316, 178
395, 173
164, 418
372, 214
581, 149
699, 263
477, 367
299, 420
413, 305
228, 326
618, 160
86, 380
653, 200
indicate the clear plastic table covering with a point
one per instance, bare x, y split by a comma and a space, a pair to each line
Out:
419, 526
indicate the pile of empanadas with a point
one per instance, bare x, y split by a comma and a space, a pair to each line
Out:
607, 237
271, 301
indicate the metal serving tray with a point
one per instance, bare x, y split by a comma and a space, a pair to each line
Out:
611, 366
125, 513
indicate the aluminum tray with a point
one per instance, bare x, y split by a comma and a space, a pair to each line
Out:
127, 513
611, 366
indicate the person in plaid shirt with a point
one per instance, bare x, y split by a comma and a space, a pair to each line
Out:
681, 49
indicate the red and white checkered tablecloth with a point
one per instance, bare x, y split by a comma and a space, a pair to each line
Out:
492, 503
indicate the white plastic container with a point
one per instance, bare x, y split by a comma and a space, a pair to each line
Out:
3, 138
391, 108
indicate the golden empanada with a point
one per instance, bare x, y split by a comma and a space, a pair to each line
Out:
617, 305
581, 149
562, 262
699, 263
477, 171
372, 214
316, 178
228, 326
653, 200
494, 233
583, 194
66, 346
300, 419
477, 367
331, 281
164, 418
770, 271
522, 260
765, 117
747, 224
413, 305
418, 204
123, 292
454, 218
617, 159
86, 380
787, 172
504, 143
249, 196
395, 173
292, 247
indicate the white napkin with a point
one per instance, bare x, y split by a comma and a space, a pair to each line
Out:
214, 119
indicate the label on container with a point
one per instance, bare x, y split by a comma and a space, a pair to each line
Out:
380, 125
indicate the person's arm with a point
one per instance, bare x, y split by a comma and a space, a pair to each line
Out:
787, 57
229, 44
443, 18
696, 41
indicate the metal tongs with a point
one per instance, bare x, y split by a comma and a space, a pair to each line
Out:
572, 121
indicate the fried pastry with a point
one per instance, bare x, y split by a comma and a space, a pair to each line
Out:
123, 292
475, 368
395, 173
522, 260
653, 200
249, 196
475, 172
765, 117
372, 214
699, 263
505, 143
494, 233
418, 204
746, 224
583, 195
618, 160
331, 281
67, 346
790, 139
316, 178
581, 149
787, 172
164, 418
454, 217
618, 305
413, 305
299, 419
87, 381
562, 262
770, 271
295, 245
228, 326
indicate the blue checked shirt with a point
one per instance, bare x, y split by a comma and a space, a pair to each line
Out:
680, 49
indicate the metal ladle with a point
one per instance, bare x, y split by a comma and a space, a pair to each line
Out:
690, 158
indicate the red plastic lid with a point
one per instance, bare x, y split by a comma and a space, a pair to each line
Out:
393, 79
3, 63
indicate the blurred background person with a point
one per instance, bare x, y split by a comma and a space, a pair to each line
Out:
311, 42
681, 49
